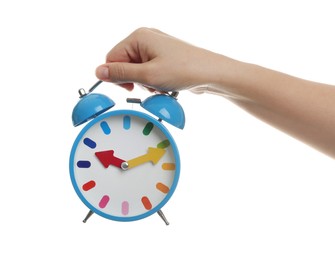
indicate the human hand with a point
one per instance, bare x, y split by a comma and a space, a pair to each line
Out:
163, 63
157, 61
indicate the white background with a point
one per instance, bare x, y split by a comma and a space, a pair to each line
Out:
247, 191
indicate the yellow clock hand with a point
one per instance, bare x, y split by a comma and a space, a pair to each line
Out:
153, 155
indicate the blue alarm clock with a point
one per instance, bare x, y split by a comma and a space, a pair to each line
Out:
125, 164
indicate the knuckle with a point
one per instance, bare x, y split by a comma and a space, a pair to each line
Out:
118, 72
141, 30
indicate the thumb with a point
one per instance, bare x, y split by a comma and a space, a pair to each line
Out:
119, 72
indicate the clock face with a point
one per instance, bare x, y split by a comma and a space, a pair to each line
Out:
124, 165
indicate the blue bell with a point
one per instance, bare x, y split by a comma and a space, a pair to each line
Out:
167, 108
90, 106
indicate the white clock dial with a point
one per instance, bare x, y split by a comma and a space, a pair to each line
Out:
124, 165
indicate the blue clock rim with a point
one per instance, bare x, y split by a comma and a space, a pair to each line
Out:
156, 123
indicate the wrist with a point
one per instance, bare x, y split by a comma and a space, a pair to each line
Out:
223, 75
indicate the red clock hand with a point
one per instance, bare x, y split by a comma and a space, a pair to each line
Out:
107, 158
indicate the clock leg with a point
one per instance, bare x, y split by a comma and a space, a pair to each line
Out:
161, 214
89, 214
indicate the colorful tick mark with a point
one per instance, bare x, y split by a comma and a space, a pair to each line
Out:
105, 128
126, 122
162, 187
164, 144
89, 185
84, 164
125, 208
90, 143
168, 166
146, 203
148, 128
104, 201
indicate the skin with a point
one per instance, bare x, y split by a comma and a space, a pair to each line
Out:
160, 62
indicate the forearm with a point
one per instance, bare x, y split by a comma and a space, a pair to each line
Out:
302, 109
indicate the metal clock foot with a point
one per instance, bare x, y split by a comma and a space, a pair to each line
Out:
161, 214
89, 214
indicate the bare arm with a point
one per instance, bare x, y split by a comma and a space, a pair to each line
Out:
301, 108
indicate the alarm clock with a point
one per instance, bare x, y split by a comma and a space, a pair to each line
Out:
125, 164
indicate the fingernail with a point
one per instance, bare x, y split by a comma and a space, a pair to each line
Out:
102, 72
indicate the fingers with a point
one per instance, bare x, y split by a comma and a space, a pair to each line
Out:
148, 57
119, 72
133, 48
125, 63
127, 86
123, 75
